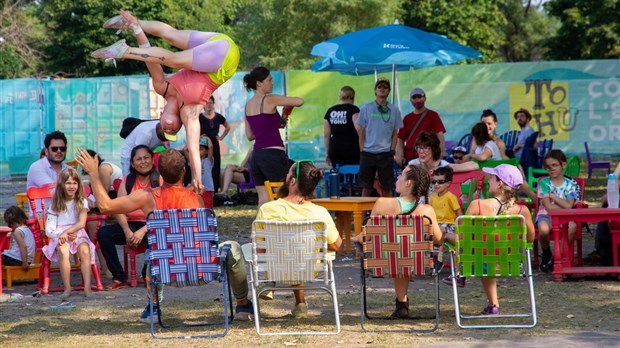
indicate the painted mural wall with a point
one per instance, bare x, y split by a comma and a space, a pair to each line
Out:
572, 102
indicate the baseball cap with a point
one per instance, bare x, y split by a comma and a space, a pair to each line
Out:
384, 81
417, 91
459, 149
507, 173
204, 142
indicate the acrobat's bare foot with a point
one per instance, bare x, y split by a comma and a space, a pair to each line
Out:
88, 292
65, 295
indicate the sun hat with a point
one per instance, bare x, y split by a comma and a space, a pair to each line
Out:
507, 173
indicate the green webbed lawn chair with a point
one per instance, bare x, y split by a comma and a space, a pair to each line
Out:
492, 246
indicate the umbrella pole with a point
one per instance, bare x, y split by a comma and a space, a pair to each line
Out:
285, 127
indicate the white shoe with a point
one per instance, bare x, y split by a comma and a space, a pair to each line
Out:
111, 52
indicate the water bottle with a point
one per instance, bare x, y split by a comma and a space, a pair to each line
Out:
334, 184
613, 196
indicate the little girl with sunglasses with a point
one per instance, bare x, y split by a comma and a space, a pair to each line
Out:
64, 226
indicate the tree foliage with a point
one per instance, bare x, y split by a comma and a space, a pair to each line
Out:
590, 29
280, 33
526, 30
473, 23
21, 37
56, 37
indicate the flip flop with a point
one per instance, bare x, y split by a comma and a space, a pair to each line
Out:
63, 305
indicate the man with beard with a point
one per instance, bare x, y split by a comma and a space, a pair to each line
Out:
416, 122
45, 170
523, 118
294, 205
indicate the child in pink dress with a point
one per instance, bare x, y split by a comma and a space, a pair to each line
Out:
64, 226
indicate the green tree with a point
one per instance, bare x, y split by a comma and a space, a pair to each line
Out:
526, 30
279, 34
21, 37
474, 23
590, 29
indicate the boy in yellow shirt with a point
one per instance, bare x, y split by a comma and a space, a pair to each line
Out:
445, 204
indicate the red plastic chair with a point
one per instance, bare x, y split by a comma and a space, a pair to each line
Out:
578, 236
129, 255
41, 194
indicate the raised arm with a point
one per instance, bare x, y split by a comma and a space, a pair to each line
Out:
139, 199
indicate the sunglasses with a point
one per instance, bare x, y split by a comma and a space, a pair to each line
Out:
417, 96
440, 182
457, 157
58, 148
297, 165
383, 86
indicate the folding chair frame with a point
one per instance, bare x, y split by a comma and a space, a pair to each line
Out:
385, 255
492, 244
294, 253
184, 252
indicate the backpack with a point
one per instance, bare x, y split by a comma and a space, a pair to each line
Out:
129, 124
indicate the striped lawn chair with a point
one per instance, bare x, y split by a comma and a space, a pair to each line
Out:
397, 246
489, 247
295, 257
184, 252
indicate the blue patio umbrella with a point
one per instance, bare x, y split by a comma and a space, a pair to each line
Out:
388, 48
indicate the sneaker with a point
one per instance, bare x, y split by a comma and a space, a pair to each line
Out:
401, 311
546, 263
460, 281
146, 313
300, 310
117, 22
111, 52
244, 312
491, 310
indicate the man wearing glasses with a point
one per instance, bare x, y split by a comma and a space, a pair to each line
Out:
416, 122
377, 125
46, 170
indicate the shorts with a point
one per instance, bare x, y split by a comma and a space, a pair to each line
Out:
193, 86
449, 228
215, 54
9, 261
269, 165
380, 164
543, 218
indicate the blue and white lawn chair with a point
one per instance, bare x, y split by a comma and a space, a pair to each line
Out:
184, 252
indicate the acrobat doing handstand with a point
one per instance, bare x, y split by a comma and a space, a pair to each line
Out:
207, 60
